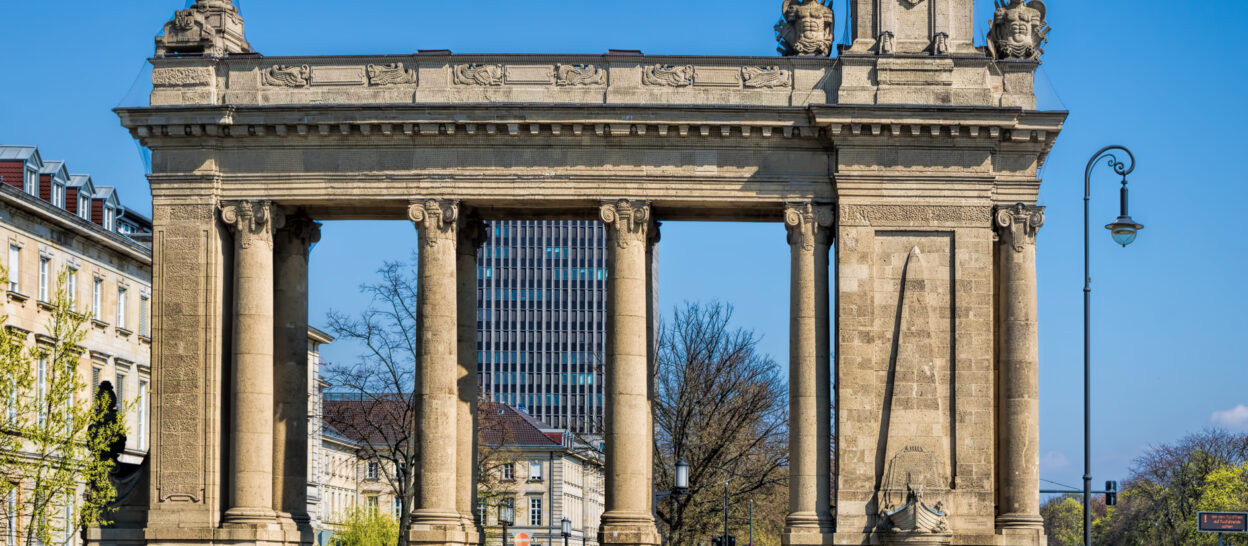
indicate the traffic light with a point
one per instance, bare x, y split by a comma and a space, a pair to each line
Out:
717, 541
1111, 493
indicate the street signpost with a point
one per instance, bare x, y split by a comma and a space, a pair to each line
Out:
1222, 523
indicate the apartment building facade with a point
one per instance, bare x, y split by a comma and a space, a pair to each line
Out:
58, 229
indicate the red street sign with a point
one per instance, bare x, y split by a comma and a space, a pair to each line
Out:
1222, 522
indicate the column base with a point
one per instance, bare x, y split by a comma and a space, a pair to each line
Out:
1020, 521
255, 518
628, 529
806, 528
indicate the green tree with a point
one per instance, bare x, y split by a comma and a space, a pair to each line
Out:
367, 528
1063, 521
55, 432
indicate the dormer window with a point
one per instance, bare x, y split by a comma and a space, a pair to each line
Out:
58, 194
84, 207
31, 184
110, 217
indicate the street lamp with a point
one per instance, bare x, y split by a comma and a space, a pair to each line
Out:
506, 516
682, 477
1123, 231
566, 530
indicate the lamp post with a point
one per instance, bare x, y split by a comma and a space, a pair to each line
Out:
1123, 231
566, 530
506, 516
679, 488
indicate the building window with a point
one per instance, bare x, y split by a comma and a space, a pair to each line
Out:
120, 389
398, 508
121, 307
144, 302
110, 215
45, 264
481, 510
142, 432
535, 511
58, 195
10, 535
15, 268
95, 379
71, 285
371, 506
508, 471
69, 538
535, 471
41, 389
84, 206
373, 470
32, 182
97, 295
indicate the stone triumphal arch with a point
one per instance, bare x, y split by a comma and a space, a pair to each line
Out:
914, 151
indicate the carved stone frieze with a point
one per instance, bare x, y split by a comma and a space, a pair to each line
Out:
252, 222
287, 76
479, 74
906, 215
390, 74
435, 219
182, 76
1019, 30
808, 224
629, 221
1017, 225
806, 28
667, 75
580, 74
760, 77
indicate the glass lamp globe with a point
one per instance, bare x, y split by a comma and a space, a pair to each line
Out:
1124, 230
682, 476
566, 527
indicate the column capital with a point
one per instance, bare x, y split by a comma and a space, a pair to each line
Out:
435, 219
630, 220
252, 221
1016, 225
809, 224
301, 230
473, 232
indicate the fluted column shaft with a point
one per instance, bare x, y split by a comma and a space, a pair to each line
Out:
472, 234
290, 359
809, 235
629, 431
437, 403
250, 484
1018, 364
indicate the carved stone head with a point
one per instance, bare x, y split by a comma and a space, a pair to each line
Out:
806, 28
1018, 30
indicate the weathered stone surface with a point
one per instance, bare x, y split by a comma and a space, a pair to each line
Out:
913, 137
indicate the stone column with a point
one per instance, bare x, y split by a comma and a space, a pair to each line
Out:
435, 517
472, 234
809, 233
1018, 358
290, 369
250, 483
652, 332
629, 431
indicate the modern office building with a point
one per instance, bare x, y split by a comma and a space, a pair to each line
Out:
541, 302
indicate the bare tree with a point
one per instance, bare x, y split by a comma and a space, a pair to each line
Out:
374, 398
721, 406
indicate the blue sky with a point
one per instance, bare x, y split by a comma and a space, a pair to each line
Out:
1164, 78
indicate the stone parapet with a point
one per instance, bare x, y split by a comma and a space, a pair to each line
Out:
968, 80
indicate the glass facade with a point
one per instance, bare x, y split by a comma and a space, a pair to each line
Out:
541, 319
